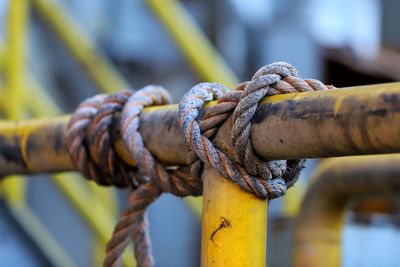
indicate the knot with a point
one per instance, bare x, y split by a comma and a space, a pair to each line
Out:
265, 179
89, 141
101, 119
89, 137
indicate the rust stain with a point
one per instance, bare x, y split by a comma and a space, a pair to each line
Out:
10, 151
225, 223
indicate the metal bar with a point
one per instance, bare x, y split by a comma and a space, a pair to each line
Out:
81, 47
192, 42
317, 237
233, 225
3, 56
16, 39
349, 121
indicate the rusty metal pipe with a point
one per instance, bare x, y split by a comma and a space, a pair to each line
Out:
318, 228
348, 121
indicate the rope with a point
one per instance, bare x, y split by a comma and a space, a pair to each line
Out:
90, 133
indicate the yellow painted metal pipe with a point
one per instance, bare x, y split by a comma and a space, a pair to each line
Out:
81, 47
16, 39
317, 237
233, 225
348, 121
3, 56
193, 43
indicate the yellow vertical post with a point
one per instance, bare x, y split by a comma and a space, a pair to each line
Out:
18, 18
234, 224
15, 69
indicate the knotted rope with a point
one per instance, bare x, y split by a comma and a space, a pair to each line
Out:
90, 133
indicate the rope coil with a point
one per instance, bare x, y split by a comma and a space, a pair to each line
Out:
89, 139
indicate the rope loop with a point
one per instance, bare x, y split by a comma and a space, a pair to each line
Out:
265, 179
101, 119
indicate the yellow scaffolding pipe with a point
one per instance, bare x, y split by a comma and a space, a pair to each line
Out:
234, 225
348, 121
16, 39
318, 227
81, 47
193, 43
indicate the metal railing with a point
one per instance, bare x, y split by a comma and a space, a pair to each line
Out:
318, 227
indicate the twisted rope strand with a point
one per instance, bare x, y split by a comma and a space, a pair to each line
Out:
90, 143
265, 179
133, 223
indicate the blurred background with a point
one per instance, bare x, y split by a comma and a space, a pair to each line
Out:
55, 53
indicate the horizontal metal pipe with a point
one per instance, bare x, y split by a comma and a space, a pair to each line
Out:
318, 227
348, 121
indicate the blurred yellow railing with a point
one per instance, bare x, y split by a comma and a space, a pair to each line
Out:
13, 189
194, 45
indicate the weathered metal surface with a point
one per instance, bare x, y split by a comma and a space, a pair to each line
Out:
317, 238
33, 146
349, 121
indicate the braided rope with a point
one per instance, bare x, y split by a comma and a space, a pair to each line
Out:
88, 140
133, 222
266, 179
90, 133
